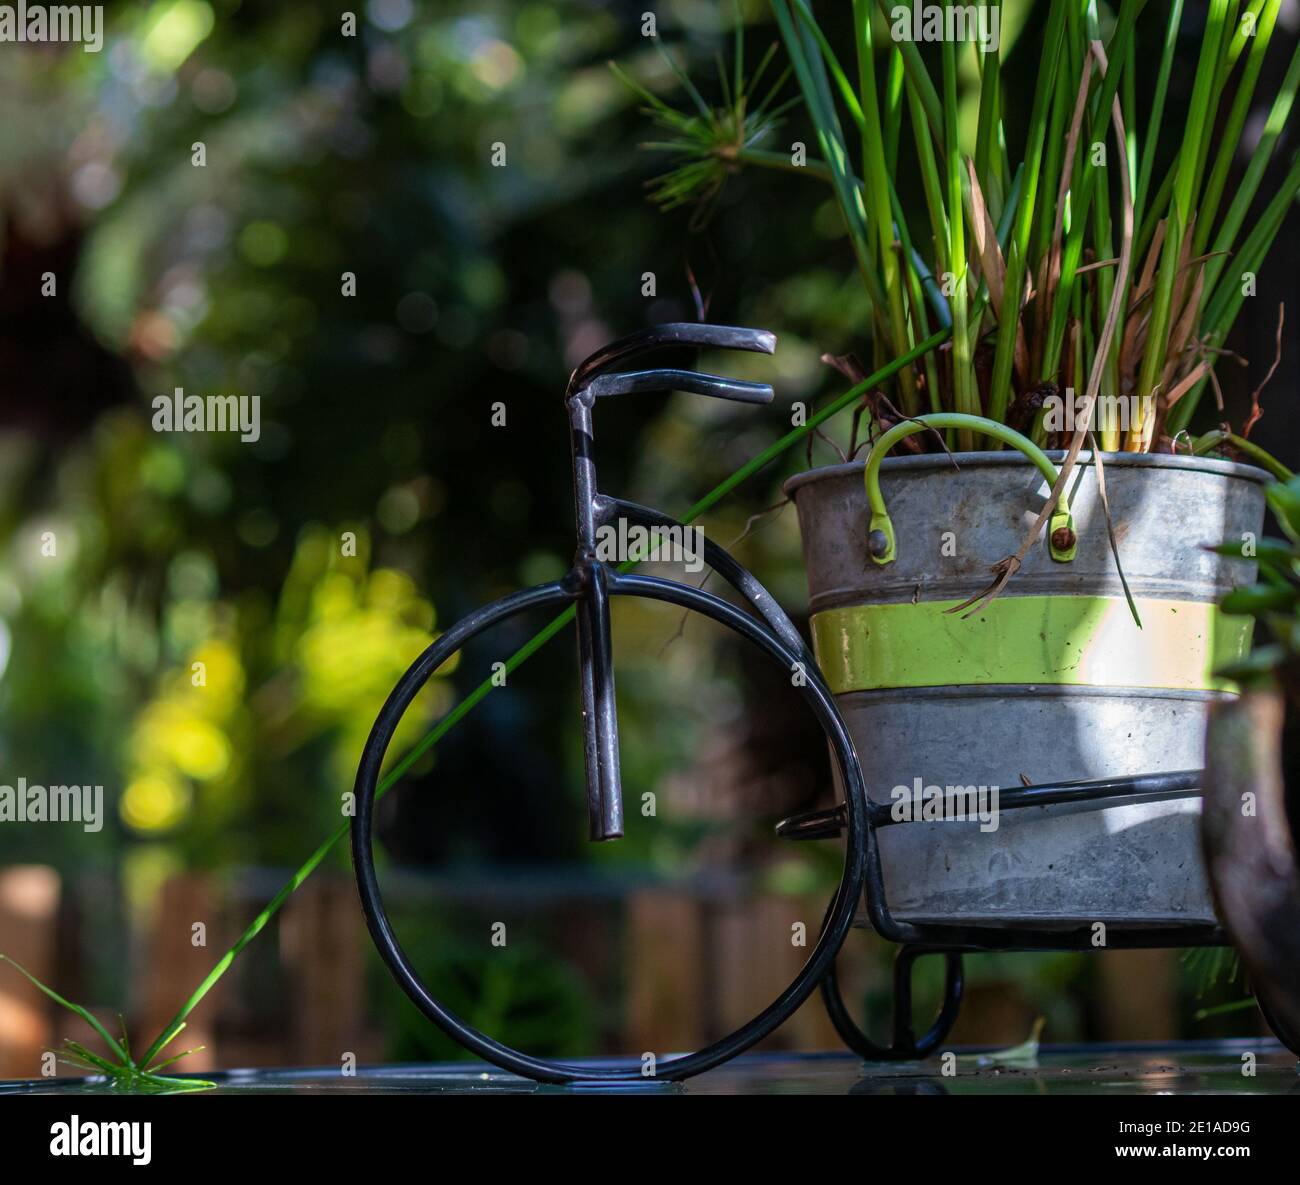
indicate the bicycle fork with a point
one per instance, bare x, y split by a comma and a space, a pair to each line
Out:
599, 709
595, 653
590, 577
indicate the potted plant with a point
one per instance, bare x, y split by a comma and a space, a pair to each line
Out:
1252, 786
993, 604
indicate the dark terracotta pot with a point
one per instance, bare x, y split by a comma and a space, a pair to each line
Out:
1249, 837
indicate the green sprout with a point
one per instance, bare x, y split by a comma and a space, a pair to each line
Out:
119, 1069
711, 143
1210, 966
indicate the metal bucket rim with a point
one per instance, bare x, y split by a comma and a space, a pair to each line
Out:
985, 459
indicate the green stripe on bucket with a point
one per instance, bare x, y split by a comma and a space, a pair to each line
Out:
1079, 641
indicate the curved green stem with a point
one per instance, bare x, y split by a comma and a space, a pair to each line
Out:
1262, 457
883, 548
781, 161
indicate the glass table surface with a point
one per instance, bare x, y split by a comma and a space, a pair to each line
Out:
1184, 1068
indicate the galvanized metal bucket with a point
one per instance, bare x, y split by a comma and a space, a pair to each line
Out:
1051, 681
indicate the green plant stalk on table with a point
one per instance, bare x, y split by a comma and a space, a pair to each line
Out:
1027, 300
119, 1068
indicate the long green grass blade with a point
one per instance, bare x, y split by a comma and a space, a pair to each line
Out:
1082, 194
919, 76
806, 59
1244, 29
875, 176
75, 1009
1156, 121
895, 81
920, 285
838, 76
986, 137
1128, 105
1017, 249
1230, 137
1206, 132
1221, 313
965, 397
931, 182
1244, 193
1062, 101
1180, 212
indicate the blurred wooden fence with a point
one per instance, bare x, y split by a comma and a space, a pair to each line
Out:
687, 963
29, 912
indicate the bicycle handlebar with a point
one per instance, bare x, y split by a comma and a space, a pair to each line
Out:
634, 382
675, 333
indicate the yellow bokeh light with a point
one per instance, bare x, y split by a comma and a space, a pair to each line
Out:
391, 590
172, 31
153, 802
200, 751
170, 734
222, 678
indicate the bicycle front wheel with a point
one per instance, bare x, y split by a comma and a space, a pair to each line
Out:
842, 910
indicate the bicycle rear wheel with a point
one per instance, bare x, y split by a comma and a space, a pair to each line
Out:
820, 958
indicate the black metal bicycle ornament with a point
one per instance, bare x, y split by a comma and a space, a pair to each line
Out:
588, 586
